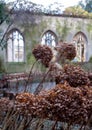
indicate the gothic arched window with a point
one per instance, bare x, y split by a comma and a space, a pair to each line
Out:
15, 46
49, 38
80, 42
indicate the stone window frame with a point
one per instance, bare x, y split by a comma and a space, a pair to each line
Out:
49, 34
82, 39
7, 38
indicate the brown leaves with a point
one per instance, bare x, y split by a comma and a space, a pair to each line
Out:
43, 53
74, 75
25, 100
66, 50
5, 105
64, 103
70, 101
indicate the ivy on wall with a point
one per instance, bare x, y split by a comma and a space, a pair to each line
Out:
65, 30
79, 25
89, 27
2, 67
62, 26
58, 28
30, 58
62, 30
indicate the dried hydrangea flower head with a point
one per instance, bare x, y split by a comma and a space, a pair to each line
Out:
74, 75
63, 102
55, 69
43, 53
66, 50
5, 105
90, 77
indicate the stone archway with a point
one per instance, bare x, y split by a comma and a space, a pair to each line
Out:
49, 38
15, 46
80, 42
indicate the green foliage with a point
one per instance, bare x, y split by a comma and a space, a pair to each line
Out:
87, 5
76, 11
12, 67
79, 25
89, 27
4, 16
65, 30
62, 30
58, 27
2, 68
90, 60
30, 58
3, 11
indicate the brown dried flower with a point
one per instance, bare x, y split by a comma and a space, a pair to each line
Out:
43, 53
74, 75
5, 105
66, 50
90, 78
64, 103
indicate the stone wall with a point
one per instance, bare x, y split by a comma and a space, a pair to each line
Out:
34, 26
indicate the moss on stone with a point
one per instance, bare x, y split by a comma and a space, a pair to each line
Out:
30, 58
62, 30
58, 28
79, 26
89, 27
65, 30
